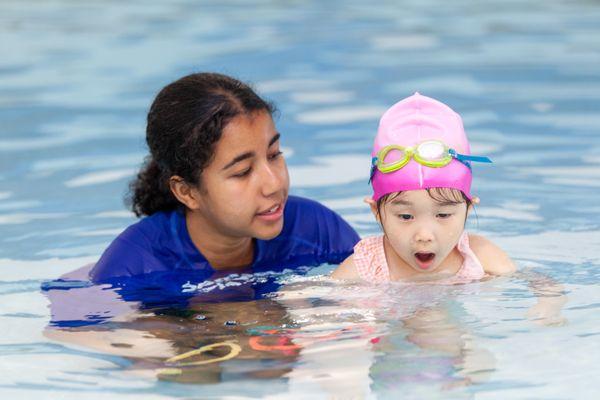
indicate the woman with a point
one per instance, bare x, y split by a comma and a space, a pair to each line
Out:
214, 191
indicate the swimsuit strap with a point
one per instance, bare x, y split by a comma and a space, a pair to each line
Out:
370, 262
471, 268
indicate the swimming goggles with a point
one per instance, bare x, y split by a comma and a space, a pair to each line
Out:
430, 153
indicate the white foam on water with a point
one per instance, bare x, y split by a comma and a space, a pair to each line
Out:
480, 148
17, 329
94, 178
542, 107
90, 162
507, 214
575, 247
322, 97
404, 42
20, 205
331, 170
114, 214
576, 176
450, 83
60, 374
291, 85
49, 268
340, 115
592, 158
74, 251
568, 121
26, 302
350, 202
362, 218
24, 218
99, 232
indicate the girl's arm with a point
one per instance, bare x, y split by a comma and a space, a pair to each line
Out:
550, 295
494, 260
346, 270
551, 298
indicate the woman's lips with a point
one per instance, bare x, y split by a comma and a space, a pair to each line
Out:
272, 214
424, 260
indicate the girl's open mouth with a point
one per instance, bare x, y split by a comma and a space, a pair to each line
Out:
424, 260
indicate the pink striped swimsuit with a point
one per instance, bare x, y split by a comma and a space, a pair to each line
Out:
370, 262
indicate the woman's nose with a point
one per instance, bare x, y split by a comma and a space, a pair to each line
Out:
273, 179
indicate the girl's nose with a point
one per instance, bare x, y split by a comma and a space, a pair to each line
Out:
423, 235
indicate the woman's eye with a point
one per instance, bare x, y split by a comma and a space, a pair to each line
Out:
444, 215
243, 173
405, 217
275, 155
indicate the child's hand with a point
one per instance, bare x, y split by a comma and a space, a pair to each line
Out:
546, 312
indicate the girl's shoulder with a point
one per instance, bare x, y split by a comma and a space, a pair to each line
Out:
493, 259
368, 263
346, 270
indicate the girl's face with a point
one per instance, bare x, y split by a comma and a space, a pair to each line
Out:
422, 231
244, 188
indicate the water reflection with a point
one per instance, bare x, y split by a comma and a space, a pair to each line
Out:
152, 337
313, 334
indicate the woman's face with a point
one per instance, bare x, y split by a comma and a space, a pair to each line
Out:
244, 189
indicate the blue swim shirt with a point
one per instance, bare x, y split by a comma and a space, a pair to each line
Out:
312, 235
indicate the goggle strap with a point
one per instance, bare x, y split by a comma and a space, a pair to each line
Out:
373, 168
465, 157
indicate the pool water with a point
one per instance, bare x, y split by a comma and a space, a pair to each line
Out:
76, 80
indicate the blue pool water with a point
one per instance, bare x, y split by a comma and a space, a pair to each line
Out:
76, 79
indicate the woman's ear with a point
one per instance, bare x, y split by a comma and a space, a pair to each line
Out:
184, 192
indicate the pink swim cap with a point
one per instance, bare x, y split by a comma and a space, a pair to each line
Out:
410, 122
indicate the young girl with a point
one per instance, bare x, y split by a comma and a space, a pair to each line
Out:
421, 178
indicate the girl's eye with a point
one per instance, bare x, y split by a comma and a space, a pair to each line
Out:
405, 217
275, 155
242, 174
444, 215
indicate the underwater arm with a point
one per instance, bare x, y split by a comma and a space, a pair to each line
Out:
550, 297
549, 293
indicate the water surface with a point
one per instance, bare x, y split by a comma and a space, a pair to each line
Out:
76, 80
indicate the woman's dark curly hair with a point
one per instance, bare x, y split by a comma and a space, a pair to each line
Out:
185, 122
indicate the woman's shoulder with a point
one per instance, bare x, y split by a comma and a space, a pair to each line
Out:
152, 230
301, 204
312, 217
310, 228
134, 248
155, 223
493, 259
